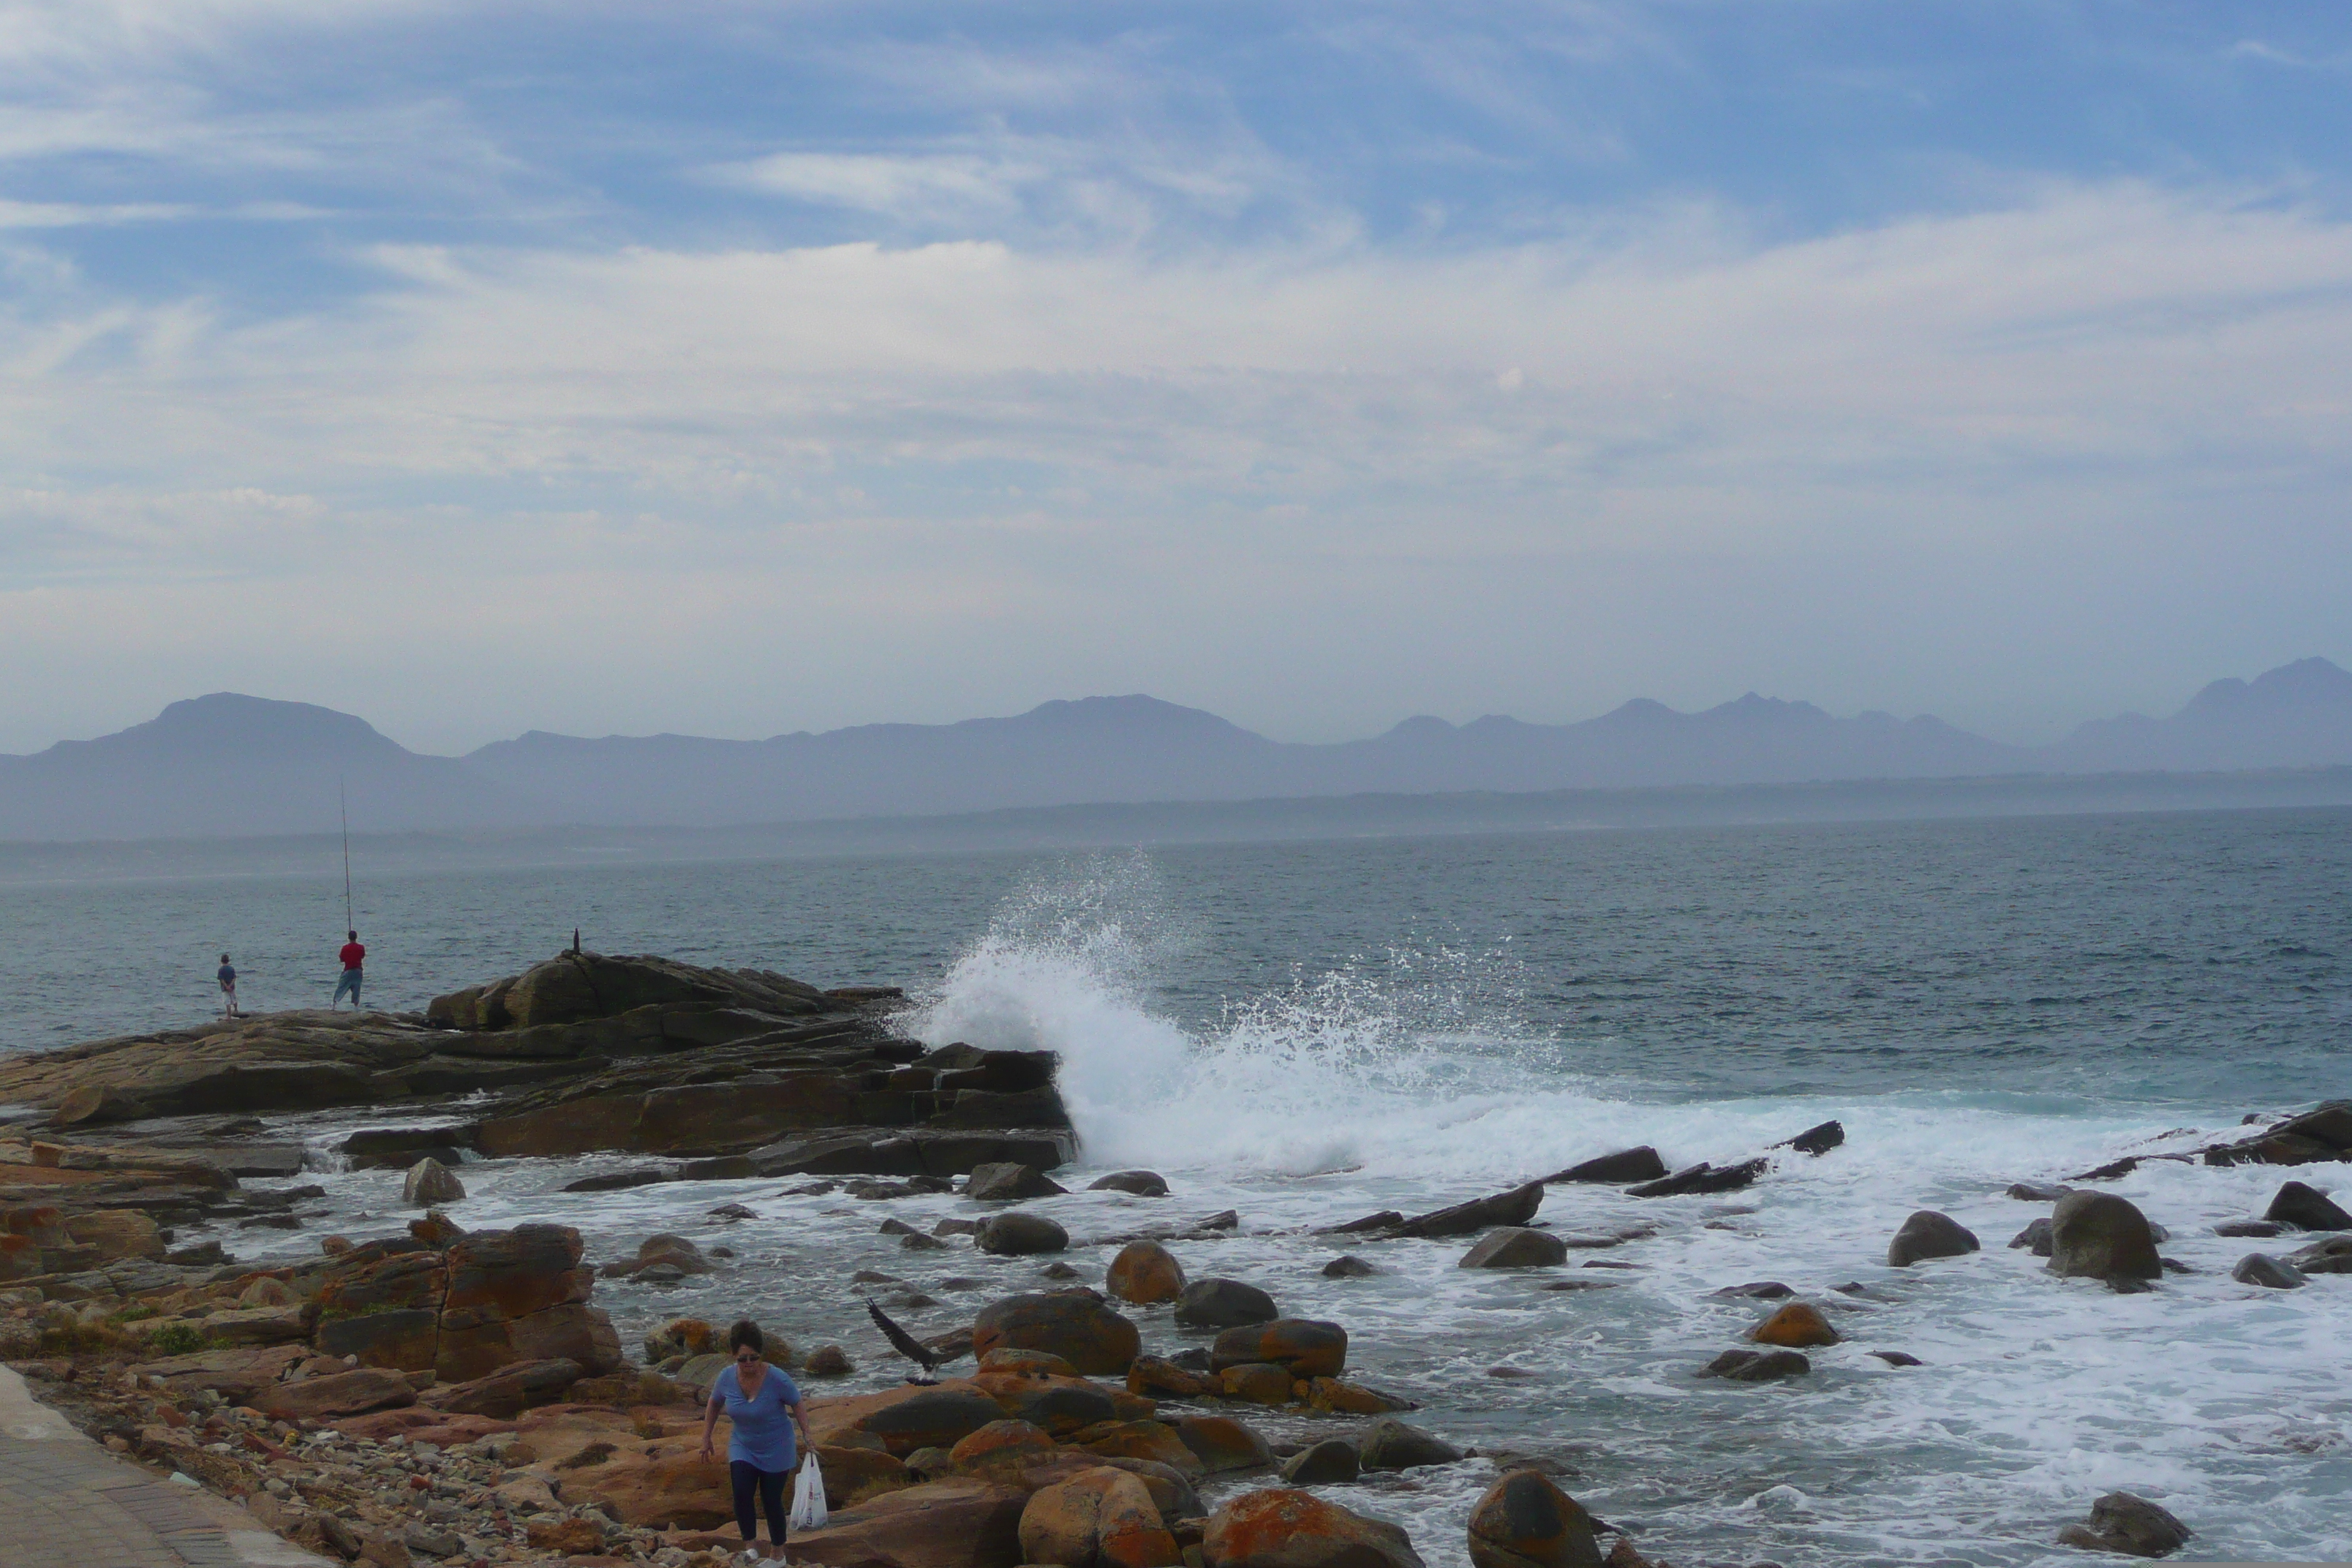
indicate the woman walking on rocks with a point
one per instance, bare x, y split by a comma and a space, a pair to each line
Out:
762, 1407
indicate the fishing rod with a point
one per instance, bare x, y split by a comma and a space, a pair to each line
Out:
343, 810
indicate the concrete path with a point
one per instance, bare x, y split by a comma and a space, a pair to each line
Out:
65, 1502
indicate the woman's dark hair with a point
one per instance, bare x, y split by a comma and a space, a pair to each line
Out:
746, 1334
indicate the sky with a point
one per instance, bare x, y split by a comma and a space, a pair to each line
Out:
741, 368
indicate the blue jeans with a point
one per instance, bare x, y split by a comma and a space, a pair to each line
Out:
749, 1477
351, 983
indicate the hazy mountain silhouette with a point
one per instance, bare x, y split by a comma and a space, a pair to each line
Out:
225, 764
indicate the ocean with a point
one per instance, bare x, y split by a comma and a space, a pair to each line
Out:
1307, 1031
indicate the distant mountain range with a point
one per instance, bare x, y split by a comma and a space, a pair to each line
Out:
227, 765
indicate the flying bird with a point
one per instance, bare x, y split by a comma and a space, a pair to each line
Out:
905, 1343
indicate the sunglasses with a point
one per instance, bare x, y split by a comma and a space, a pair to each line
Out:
747, 1358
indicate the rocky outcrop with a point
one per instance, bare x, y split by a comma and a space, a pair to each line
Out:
2098, 1236
1514, 1207
1703, 1178
1616, 1170
1526, 1521
1284, 1528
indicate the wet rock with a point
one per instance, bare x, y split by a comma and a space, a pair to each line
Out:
1626, 1166
1303, 1347
1019, 1235
429, 1183
2306, 1208
1757, 1366
1514, 1207
1327, 1463
2037, 1192
1284, 1528
2034, 1237
1755, 1291
1388, 1444
1515, 1247
916, 1241
1073, 1324
2113, 1171
1703, 1178
1800, 1325
732, 1211
2330, 1124
1815, 1141
1153, 1378
2098, 1236
932, 1418
1001, 1441
1259, 1383
2131, 1525
1057, 1271
1386, 1219
1215, 1303
1137, 1442
661, 1251
1898, 1357
1135, 1183
2333, 1255
1222, 1444
1928, 1234
1526, 1521
1145, 1272
2253, 1229
2261, 1269
1348, 1266
1010, 1358
1104, 1518
1010, 1182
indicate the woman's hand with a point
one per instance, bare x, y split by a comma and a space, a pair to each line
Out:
707, 1451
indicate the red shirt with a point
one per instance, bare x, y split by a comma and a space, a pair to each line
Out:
353, 955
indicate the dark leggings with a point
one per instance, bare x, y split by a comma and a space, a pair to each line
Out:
770, 1484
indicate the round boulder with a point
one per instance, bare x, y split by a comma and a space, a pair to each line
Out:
932, 1418
1388, 1444
2098, 1236
1284, 1528
2261, 1269
1009, 1182
2131, 1526
1512, 1247
1327, 1463
1797, 1326
1006, 1439
2306, 1208
1524, 1521
1145, 1272
1020, 1235
1102, 1518
1348, 1266
1223, 1304
1073, 1324
1008, 1358
1303, 1347
1930, 1234
428, 1182
1221, 1443
1258, 1382
1135, 1183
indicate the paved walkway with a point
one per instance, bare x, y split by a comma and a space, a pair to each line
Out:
65, 1502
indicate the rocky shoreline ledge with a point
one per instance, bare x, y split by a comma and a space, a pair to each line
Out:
441, 1397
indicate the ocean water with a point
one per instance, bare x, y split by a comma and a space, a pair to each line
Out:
1307, 1031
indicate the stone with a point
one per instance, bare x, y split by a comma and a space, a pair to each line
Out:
2330, 1124
1259, 1383
1283, 1527
116, 1234
2261, 1269
350, 1392
1524, 1520
1010, 1182
509, 1391
1386, 1219
1217, 1303
1513, 1247
932, 1419
564, 1536
1757, 1366
2034, 1237
1303, 1347
2129, 1525
1348, 1266
2331, 1255
1514, 1207
1616, 1170
2037, 1192
1144, 1273
1061, 1405
1104, 1518
1388, 1444
1329, 1462
1702, 1177
1135, 1183
259, 1325
1815, 1141
957, 1522
2306, 1208
1019, 1235
1338, 1397
1153, 1378
2259, 1229
1898, 1357
2098, 1236
1075, 1325
1756, 1290
429, 1183
1142, 1442
1009, 1358
999, 1442
1800, 1325
1221, 1443
1928, 1234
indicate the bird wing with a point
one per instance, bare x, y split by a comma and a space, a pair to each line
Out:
905, 1343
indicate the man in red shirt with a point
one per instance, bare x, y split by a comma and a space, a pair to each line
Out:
354, 956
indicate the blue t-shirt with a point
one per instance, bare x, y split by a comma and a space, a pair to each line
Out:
761, 1425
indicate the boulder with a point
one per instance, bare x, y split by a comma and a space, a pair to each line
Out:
1815, 1141
1797, 1326
1145, 1272
1009, 1358
2330, 1124
520, 1295
1020, 1235
1348, 1266
932, 1419
240, 1376
116, 1234
1286, 1528
2098, 1236
1526, 1521
1142, 1442
1061, 1405
1221, 1443
1153, 1378
337, 1393
1135, 1183
1385, 1219
1009, 1182
1703, 1178
2034, 1237
2306, 1208
509, 1391
960, 1522
1104, 1518
1073, 1324
2332, 1256
1641, 1165
1215, 1303
1328, 1463
430, 1183
1303, 1347
2261, 1269
1513, 1247
1757, 1366
1255, 1382
1514, 1208
1001, 1442
1335, 1396
259, 1325
2130, 1525
1388, 1444
1928, 1234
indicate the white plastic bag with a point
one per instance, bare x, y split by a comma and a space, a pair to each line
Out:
808, 1495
